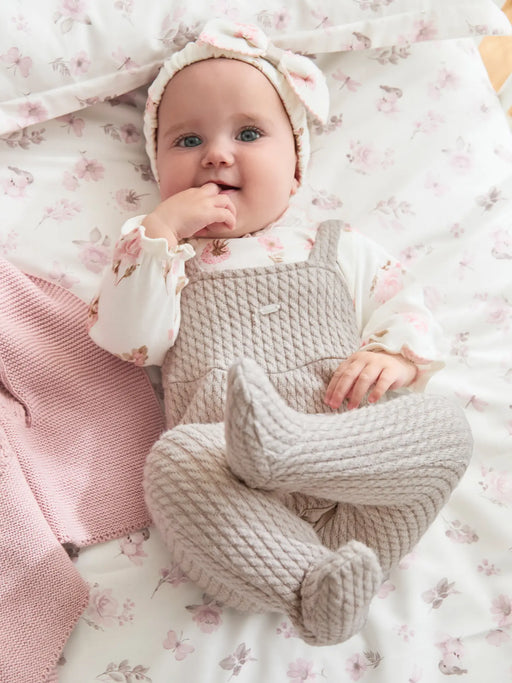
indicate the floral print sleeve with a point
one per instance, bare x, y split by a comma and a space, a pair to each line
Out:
136, 313
390, 308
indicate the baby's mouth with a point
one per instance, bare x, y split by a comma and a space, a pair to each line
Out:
225, 189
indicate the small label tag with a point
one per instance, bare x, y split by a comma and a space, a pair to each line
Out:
271, 308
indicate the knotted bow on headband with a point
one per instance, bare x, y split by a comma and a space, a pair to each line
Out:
300, 83
304, 77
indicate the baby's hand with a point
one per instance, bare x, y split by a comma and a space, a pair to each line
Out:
365, 370
185, 213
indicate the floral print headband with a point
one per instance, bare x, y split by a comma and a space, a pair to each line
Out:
298, 81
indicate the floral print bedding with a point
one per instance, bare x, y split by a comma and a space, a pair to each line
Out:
417, 154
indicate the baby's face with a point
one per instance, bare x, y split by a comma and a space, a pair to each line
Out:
222, 121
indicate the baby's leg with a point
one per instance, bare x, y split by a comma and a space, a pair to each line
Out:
245, 548
391, 466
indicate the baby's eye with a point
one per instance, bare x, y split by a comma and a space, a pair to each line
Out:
189, 141
249, 135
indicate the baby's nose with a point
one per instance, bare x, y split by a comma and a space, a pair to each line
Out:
218, 154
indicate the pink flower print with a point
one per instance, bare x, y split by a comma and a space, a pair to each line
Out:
365, 159
502, 248
497, 638
103, 607
417, 321
61, 277
74, 9
94, 257
287, 630
15, 61
92, 313
346, 81
461, 533
270, 243
124, 63
405, 633
429, 124
62, 210
173, 576
301, 670
490, 200
385, 589
356, 667
437, 595
281, 19
89, 169
207, 616
387, 282
32, 112
17, 183
326, 200
460, 158
104, 611
177, 645
215, 251
129, 200
125, 6
80, 63
71, 12
424, 30
237, 660
125, 673
487, 568
387, 104
497, 486
20, 23
433, 183
136, 356
129, 247
73, 123
445, 80
94, 252
452, 651
130, 133
9, 243
70, 181
132, 546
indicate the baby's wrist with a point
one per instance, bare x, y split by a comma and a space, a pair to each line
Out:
155, 227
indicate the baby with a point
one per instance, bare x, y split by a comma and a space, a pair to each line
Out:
271, 492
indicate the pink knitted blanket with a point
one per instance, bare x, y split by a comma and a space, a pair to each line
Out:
76, 424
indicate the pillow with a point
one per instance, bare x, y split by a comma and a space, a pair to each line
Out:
60, 56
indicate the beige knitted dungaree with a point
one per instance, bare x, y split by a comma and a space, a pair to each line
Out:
265, 499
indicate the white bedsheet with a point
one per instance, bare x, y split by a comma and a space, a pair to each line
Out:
418, 155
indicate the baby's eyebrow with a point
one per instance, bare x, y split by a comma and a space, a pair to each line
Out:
177, 128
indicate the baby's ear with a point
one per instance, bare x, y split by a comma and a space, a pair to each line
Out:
295, 187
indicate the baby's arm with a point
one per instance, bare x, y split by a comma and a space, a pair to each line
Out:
136, 311
400, 340
184, 214
365, 370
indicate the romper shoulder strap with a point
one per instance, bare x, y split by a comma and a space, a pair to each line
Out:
325, 249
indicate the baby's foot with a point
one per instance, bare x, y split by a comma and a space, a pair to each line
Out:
258, 425
336, 594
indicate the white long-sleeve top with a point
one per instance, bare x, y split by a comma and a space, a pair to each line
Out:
136, 314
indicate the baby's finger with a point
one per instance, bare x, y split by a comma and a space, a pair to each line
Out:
225, 202
222, 215
369, 376
209, 189
385, 381
341, 384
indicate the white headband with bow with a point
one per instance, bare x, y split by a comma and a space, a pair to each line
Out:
299, 82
